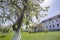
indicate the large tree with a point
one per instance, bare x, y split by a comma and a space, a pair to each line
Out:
20, 12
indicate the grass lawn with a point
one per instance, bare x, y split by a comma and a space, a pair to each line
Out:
7, 37
41, 36
34, 36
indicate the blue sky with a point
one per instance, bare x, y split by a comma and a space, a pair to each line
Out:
52, 11
54, 8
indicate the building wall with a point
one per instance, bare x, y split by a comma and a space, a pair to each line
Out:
52, 23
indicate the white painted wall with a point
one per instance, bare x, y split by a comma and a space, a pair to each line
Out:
46, 23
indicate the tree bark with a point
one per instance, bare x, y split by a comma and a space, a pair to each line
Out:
17, 35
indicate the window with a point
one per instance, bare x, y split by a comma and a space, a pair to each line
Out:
53, 25
56, 20
46, 27
50, 26
49, 19
58, 15
57, 25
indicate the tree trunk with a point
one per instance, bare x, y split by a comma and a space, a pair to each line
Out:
16, 36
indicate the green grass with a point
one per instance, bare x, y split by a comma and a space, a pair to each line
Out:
35, 36
7, 37
41, 36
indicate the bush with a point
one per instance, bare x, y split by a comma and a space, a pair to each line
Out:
45, 30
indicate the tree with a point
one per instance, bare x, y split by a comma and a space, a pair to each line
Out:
19, 12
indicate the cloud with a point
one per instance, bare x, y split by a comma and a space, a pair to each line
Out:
47, 2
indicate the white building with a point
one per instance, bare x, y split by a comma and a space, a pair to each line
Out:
52, 23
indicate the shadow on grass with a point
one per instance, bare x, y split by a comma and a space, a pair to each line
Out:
2, 36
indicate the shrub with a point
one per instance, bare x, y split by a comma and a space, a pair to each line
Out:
45, 30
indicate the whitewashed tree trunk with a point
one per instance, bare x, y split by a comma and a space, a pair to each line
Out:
16, 36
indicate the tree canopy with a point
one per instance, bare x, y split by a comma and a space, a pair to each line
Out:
20, 11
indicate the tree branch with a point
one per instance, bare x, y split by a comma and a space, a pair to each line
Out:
20, 18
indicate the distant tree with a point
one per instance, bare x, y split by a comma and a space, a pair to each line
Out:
19, 12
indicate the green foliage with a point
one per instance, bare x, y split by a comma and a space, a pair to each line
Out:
1, 30
46, 8
45, 30
12, 10
5, 30
27, 22
32, 8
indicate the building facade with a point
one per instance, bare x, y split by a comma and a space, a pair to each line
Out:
52, 23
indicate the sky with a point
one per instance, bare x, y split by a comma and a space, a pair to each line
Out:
53, 10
